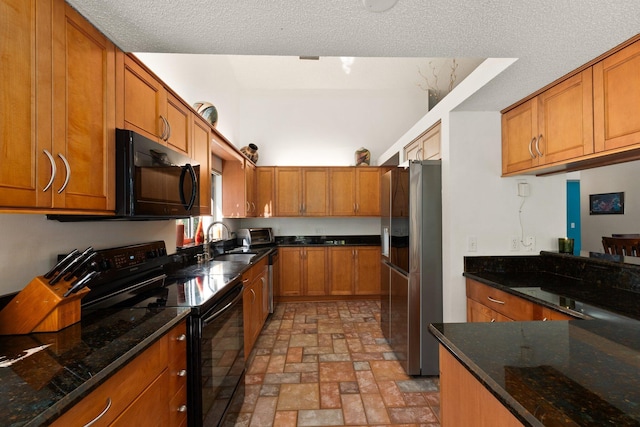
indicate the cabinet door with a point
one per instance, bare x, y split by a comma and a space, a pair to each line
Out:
144, 99
288, 191
342, 267
315, 271
179, 118
290, 283
265, 185
565, 120
233, 189
519, 129
315, 191
413, 151
342, 190
367, 191
431, 144
23, 139
250, 188
202, 153
367, 279
616, 94
83, 113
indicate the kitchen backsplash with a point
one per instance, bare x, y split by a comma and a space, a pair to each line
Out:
31, 243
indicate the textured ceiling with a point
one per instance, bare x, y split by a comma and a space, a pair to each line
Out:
550, 37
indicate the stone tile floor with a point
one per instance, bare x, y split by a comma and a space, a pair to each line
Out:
328, 364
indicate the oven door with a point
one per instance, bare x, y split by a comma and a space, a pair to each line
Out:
217, 360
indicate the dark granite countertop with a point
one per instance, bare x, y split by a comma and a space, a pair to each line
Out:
44, 374
362, 240
584, 370
602, 284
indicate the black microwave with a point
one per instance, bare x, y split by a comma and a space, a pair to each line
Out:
153, 181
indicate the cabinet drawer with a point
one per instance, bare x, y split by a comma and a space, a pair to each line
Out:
178, 408
121, 389
509, 305
477, 312
149, 408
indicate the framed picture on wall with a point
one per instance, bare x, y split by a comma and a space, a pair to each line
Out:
606, 204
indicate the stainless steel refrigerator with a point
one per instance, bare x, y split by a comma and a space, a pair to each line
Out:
412, 263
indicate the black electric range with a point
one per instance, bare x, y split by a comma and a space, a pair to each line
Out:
144, 276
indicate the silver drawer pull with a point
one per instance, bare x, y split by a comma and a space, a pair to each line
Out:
182, 373
182, 337
495, 300
182, 408
101, 414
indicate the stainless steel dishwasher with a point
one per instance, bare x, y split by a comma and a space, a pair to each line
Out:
274, 276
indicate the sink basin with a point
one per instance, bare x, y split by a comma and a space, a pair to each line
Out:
235, 257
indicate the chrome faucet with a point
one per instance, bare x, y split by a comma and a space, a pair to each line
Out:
207, 237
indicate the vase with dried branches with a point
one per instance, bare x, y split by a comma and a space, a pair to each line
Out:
431, 86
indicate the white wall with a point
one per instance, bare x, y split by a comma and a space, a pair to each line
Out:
206, 78
31, 243
298, 127
610, 179
478, 202
324, 128
316, 226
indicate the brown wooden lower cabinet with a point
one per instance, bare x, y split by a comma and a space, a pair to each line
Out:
253, 303
332, 272
488, 304
465, 402
141, 391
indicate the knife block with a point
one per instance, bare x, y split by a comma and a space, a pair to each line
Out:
40, 307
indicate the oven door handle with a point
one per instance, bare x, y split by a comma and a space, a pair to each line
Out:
218, 313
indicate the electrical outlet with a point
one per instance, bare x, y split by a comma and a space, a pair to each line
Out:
529, 243
472, 244
515, 243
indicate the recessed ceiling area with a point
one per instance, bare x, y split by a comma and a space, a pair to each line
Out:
349, 73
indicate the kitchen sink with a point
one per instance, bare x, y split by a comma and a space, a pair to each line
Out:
245, 257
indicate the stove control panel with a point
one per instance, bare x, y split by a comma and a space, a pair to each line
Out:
130, 256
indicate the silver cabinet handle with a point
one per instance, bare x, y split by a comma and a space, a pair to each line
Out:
533, 156
418, 153
254, 295
538, 145
253, 207
101, 414
545, 319
182, 337
495, 300
53, 170
168, 129
67, 176
248, 206
493, 320
182, 373
182, 408
165, 129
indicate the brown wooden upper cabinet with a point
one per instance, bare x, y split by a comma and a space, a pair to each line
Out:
201, 150
555, 126
616, 94
354, 191
586, 119
265, 192
57, 115
301, 191
426, 146
153, 111
238, 188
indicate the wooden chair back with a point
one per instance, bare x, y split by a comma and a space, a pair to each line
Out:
627, 246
